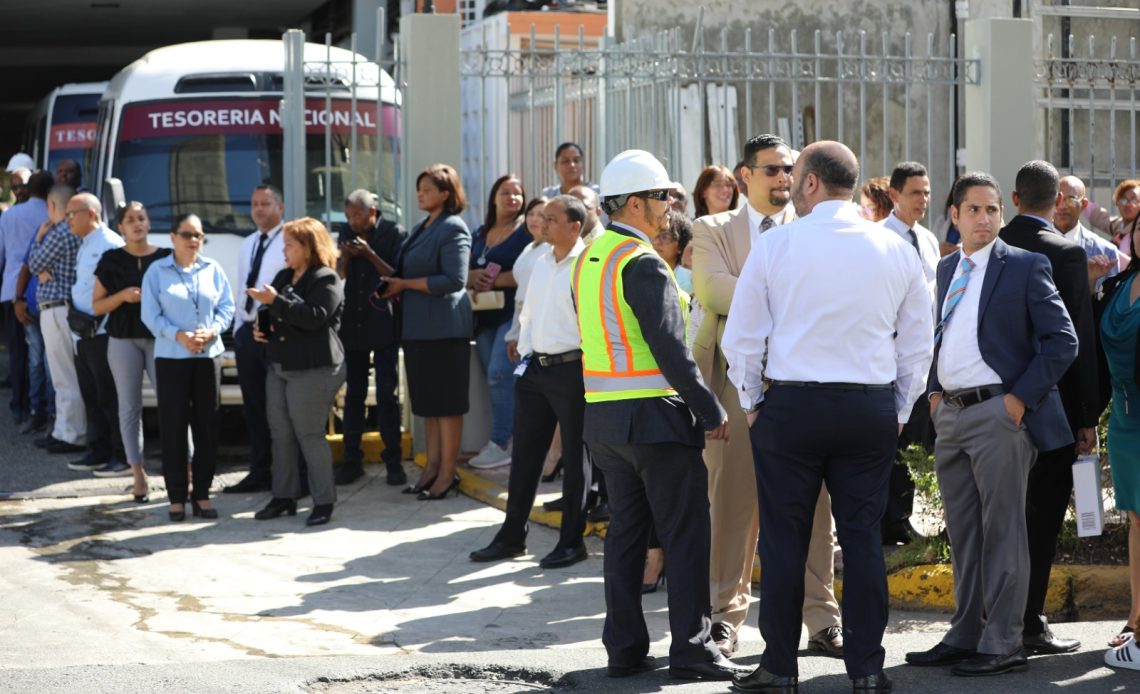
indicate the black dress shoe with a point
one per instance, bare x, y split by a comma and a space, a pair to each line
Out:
496, 551
562, 556
248, 484
1048, 644
760, 680
720, 669
276, 507
558, 504
941, 654
204, 513
321, 514
871, 684
647, 663
64, 447
984, 664
396, 474
45, 441
347, 473
600, 513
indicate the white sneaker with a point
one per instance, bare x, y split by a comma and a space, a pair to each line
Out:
1125, 656
491, 456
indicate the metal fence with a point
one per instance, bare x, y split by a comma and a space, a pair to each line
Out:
693, 104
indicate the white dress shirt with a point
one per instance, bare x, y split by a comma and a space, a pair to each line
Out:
271, 263
927, 247
1094, 245
756, 218
833, 300
549, 323
960, 363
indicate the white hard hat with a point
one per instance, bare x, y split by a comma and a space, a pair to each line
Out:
634, 171
21, 161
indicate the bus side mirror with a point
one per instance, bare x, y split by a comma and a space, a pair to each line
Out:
113, 197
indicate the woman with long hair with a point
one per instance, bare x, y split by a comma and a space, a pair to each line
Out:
301, 311
496, 247
715, 191
130, 346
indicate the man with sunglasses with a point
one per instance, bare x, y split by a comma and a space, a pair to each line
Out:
721, 244
84, 215
647, 415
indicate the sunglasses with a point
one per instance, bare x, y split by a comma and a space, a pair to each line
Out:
661, 195
773, 169
190, 235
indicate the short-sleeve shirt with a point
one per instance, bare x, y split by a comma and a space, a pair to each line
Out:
505, 255
116, 271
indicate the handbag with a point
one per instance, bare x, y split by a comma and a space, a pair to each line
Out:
83, 325
487, 301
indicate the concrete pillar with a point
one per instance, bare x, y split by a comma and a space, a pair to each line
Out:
430, 46
1001, 113
364, 24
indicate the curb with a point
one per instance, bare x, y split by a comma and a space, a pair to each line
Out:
1076, 592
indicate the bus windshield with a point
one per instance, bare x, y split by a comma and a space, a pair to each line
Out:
207, 157
72, 131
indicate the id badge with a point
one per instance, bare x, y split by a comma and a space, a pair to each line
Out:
521, 368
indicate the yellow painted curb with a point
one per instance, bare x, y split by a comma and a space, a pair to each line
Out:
495, 494
370, 445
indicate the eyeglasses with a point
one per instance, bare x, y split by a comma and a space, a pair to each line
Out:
1073, 199
773, 169
662, 195
190, 235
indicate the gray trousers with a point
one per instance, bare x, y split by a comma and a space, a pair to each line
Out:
128, 358
982, 460
297, 407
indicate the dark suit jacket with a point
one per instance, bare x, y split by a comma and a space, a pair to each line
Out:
440, 253
1102, 300
1071, 275
363, 326
652, 295
305, 320
1024, 334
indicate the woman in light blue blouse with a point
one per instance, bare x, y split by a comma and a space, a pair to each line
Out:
187, 303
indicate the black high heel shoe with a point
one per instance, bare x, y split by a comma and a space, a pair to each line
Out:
555, 473
418, 488
276, 507
425, 495
203, 513
179, 515
322, 513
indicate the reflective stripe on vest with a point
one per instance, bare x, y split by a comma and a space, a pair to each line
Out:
616, 361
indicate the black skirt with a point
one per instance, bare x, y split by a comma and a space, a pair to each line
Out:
439, 375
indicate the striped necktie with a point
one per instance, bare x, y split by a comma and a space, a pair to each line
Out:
954, 297
766, 224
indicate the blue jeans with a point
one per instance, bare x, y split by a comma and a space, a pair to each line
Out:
40, 392
492, 349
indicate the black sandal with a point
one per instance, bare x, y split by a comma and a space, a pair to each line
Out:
1122, 638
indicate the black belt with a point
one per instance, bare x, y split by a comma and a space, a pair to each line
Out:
556, 359
832, 386
972, 396
45, 305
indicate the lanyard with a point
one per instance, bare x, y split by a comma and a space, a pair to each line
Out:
194, 295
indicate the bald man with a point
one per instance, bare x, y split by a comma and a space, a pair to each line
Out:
1104, 259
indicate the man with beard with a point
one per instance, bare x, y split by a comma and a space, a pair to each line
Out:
829, 341
721, 244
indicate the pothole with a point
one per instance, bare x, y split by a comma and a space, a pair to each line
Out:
437, 679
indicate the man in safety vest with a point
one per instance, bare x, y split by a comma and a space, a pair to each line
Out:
645, 407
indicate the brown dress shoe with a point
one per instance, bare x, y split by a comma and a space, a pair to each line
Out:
724, 638
827, 641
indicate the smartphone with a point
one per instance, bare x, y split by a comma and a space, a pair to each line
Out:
489, 274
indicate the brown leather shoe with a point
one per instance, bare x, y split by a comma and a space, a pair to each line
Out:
724, 638
827, 641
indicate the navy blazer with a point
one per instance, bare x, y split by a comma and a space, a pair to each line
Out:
440, 252
1024, 334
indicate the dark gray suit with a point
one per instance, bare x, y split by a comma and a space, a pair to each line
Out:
439, 252
982, 458
649, 450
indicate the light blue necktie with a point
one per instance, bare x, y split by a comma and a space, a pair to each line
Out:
954, 297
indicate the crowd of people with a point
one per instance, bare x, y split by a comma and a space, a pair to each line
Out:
744, 379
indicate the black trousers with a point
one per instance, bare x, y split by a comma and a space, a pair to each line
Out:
803, 438
17, 362
252, 365
188, 395
100, 400
385, 363
900, 496
546, 397
1046, 501
662, 485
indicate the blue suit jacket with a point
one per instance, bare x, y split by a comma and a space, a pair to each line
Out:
1024, 334
439, 252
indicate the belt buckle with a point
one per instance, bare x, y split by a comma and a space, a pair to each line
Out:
953, 400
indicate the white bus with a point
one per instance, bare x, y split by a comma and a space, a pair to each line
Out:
195, 127
62, 126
